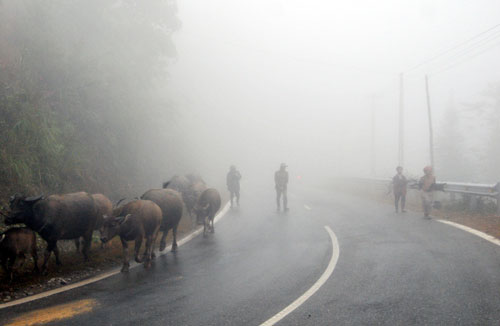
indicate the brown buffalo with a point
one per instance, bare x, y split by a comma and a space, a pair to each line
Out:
207, 206
135, 220
15, 244
170, 202
56, 217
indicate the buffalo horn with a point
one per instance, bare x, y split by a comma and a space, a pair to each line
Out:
123, 219
34, 198
118, 202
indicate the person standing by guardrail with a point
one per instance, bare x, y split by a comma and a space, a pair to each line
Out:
426, 186
399, 184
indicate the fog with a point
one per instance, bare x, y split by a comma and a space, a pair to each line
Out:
261, 82
107, 95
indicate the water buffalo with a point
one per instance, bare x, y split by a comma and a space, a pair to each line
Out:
15, 244
195, 178
178, 182
192, 196
170, 202
135, 220
208, 204
56, 217
190, 186
103, 207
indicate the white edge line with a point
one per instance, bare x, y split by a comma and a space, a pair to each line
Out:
309, 293
110, 273
480, 234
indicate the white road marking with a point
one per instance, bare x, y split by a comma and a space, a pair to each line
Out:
480, 234
309, 293
111, 272
307, 207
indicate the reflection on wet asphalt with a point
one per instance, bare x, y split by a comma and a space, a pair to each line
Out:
393, 269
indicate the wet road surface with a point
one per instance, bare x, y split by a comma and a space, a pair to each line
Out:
393, 269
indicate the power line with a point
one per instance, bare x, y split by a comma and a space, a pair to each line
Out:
466, 59
439, 55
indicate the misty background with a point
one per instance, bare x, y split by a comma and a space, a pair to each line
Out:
118, 96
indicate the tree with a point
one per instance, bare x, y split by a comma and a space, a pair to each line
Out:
82, 104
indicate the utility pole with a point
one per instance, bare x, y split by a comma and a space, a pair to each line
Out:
401, 157
373, 153
431, 142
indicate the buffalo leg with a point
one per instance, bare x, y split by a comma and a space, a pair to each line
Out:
87, 240
147, 252
138, 243
34, 255
174, 241
9, 266
51, 246
126, 263
163, 242
205, 226
77, 244
56, 252
17, 265
212, 228
5, 264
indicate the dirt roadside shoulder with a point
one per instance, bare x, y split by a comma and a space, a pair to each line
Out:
74, 269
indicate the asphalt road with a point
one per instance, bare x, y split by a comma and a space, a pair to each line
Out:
393, 269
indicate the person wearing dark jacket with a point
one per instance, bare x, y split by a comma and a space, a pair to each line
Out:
281, 183
399, 184
233, 184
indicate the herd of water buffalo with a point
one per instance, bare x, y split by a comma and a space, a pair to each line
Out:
75, 216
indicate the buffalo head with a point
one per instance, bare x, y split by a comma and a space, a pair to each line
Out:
111, 226
21, 208
201, 212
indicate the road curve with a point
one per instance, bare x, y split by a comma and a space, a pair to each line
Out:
393, 269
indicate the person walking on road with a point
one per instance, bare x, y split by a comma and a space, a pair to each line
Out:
281, 182
426, 185
399, 183
233, 184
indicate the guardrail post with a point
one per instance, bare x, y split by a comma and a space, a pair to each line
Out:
497, 188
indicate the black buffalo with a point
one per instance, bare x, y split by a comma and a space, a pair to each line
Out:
190, 186
206, 207
56, 217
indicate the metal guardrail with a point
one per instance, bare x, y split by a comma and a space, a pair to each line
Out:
477, 189
464, 188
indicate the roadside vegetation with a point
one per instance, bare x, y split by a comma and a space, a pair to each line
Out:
82, 97
84, 107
